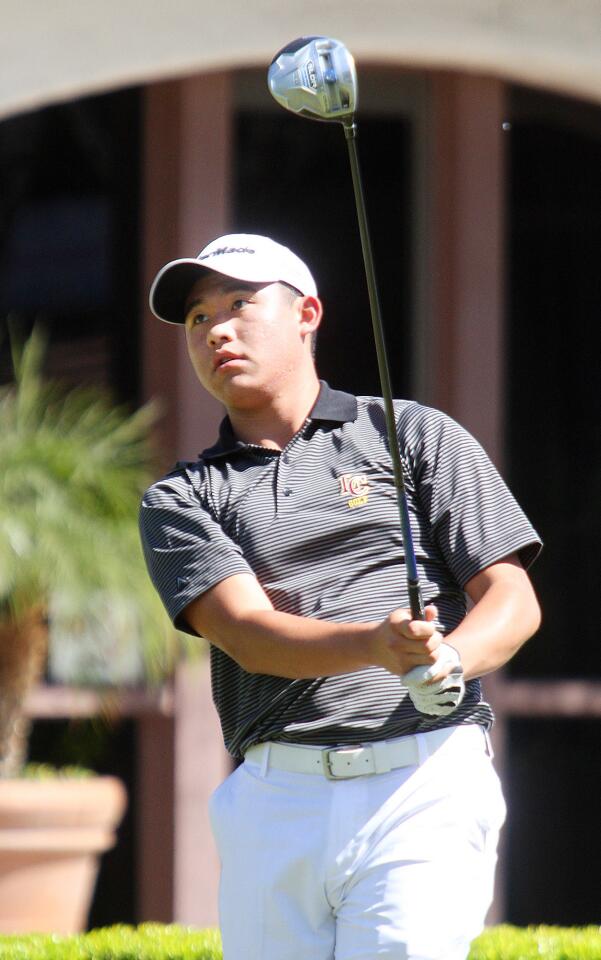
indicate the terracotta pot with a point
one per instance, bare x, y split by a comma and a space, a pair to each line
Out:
52, 833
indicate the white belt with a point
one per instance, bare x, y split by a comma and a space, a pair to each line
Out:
341, 763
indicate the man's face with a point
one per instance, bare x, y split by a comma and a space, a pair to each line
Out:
245, 340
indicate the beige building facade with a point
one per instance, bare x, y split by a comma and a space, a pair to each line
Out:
80, 48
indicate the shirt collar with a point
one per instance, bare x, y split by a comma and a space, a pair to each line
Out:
331, 405
334, 405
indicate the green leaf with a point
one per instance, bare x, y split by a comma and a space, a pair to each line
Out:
73, 468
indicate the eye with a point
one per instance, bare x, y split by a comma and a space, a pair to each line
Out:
241, 302
195, 319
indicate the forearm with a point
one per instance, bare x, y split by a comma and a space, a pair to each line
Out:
237, 616
505, 614
284, 645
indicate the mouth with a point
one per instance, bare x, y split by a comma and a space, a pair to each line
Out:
226, 360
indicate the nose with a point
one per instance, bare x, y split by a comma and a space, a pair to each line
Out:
221, 331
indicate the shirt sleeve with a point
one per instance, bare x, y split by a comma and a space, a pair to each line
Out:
185, 548
475, 519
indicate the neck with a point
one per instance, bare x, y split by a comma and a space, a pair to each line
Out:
275, 424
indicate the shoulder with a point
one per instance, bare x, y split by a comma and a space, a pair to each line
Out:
408, 411
185, 480
416, 423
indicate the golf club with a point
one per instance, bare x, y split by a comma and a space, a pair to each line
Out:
315, 77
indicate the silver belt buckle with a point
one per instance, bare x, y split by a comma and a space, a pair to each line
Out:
327, 764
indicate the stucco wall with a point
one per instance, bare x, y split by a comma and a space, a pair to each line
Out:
53, 51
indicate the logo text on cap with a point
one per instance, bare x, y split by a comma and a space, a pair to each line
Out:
221, 250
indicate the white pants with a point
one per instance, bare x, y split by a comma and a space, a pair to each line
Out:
396, 865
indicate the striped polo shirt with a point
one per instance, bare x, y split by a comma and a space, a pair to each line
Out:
317, 524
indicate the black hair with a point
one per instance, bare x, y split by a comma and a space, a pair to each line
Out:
293, 294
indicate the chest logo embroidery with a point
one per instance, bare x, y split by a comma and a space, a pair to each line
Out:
355, 486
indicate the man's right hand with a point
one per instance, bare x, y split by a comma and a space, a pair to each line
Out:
400, 643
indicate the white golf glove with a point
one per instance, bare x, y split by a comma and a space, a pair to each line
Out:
438, 699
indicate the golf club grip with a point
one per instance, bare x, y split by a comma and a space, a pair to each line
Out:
415, 596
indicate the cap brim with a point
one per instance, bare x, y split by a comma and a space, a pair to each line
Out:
171, 287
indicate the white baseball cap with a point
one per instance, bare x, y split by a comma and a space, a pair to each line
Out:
245, 256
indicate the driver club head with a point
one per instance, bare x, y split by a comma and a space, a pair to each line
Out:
315, 77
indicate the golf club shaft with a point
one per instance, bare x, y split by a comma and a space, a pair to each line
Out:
415, 596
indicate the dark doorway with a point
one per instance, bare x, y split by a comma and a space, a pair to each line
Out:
69, 212
69, 261
553, 842
293, 182
554, 400
554, 454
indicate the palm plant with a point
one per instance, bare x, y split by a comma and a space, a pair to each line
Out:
72, 469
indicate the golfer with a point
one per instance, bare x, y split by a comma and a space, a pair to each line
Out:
363, 821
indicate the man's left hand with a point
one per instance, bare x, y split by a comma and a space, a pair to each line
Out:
437, 689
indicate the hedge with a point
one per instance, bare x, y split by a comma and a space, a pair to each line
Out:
153, 941
537, 943
150, 941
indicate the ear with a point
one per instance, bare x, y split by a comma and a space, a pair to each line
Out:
310, 314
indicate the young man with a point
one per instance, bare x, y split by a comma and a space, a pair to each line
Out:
364, 820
